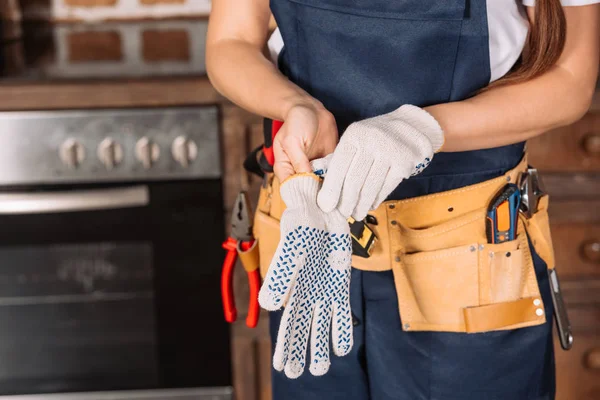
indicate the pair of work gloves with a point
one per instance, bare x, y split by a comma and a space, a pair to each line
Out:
309, 274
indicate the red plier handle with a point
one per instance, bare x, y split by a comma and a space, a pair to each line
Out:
271, 127
231, 245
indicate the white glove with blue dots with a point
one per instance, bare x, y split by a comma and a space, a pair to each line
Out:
310, 276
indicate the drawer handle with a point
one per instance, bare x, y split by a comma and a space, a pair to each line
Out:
591, 144
590, 251
592, 359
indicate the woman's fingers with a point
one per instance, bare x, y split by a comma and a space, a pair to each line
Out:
369, 192
390, 183
295, 150
330, 192
354, 182
283, 167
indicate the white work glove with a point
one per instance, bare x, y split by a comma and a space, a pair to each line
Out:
374, 155
310, 275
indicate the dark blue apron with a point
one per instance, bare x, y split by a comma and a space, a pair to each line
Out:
363, 58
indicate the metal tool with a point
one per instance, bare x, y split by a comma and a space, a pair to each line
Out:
363, 237
502, 215
531, 192
241, 240
563, 325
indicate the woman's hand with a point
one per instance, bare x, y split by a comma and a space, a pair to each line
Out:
309, 131
375, 155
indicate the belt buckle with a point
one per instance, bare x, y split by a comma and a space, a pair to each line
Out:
363, 237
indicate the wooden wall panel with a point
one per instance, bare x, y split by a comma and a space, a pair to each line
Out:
577, 249
573, 148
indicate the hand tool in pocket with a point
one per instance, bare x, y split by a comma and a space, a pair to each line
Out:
363, 237
532, 191
240, 242
267, 157
502, 215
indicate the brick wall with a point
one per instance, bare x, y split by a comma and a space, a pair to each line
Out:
125, 49
99, 10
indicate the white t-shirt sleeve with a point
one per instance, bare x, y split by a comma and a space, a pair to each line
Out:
275, 44
531, 3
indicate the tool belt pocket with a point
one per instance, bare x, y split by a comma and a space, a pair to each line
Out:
448, 278
266, 221
538, 229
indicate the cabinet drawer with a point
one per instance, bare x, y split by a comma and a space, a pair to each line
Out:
578, 370
577, 249
572, 148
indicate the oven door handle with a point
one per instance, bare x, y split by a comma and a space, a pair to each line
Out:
75, 200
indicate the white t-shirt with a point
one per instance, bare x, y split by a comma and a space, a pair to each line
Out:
507, 24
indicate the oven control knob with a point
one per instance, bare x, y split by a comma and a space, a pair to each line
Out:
147, 152
184, 150
72, 153
110, 153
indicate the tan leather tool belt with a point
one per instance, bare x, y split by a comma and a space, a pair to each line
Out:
448, 278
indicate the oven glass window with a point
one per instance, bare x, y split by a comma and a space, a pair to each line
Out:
77, 316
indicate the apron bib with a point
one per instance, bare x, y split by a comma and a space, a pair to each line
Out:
363, 58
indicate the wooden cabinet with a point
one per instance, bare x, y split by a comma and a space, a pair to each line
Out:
574, 148
569, 160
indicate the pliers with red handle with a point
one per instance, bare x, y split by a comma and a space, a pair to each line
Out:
241, 243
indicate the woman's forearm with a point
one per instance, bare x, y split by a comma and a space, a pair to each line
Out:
513, 113
241, 72
235, 62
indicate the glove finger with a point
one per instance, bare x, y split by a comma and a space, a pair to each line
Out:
294, 366
355, 181
304, 293
331, 190
319, 339
280, 355
391, 182
367, 196
287, 261
341, 330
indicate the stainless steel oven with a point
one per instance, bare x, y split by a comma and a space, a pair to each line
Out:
111, 224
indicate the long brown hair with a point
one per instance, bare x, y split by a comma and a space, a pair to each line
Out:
545, 43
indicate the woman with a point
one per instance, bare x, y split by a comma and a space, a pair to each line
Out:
433, 101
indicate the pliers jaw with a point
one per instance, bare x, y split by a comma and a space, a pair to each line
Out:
241, 219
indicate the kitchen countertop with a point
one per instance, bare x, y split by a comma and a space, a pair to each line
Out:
98, 94
113, 64
108, 94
